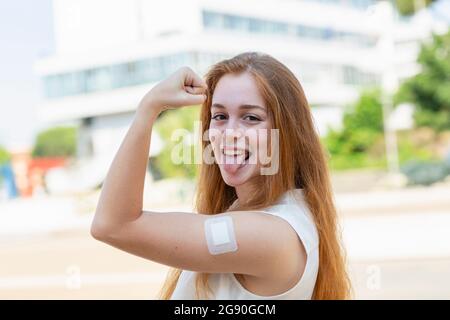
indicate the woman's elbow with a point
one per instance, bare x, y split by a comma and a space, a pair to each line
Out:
106, 232
99, 231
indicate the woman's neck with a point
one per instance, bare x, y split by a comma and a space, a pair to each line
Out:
245, 190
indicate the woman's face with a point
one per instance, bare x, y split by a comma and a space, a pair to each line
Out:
238, 128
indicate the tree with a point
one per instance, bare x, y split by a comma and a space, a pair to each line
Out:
362, 130
409, 7
429, 90
56, 142
179, 119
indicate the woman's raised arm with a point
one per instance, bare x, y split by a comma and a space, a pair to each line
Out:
122, 193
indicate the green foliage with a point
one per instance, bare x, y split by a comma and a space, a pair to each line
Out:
429, 90
169, 121
4, 155
356, 161
56, 142
439, 120
366, 114
408, 7
358, 143
4, 158
408, 151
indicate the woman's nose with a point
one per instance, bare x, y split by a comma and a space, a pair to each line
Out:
233, 134
234, 124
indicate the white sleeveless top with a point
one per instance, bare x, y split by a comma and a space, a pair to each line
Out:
292, 207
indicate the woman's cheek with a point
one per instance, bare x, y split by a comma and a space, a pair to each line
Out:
263, 146
214, 136
254, 139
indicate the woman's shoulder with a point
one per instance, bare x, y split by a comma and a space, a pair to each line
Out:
292, 202
294, 208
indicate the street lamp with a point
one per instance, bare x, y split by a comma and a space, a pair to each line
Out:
389, 85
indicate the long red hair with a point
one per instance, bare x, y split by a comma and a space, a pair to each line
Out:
302, 164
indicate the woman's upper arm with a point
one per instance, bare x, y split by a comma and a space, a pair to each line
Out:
265, 243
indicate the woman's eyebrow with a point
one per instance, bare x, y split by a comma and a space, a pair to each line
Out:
243, 106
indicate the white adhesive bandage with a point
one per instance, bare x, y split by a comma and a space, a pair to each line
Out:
219, 233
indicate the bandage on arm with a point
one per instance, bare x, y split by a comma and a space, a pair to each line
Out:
219, 234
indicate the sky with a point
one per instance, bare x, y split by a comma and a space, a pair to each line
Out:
26, 33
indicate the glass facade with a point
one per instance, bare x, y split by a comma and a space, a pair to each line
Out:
114, 76
358, 4
353, 76
308, 72
222, 21
154, 69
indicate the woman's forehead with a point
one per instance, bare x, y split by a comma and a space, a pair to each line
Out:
234, 90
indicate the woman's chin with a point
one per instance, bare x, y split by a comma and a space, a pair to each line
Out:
241, 176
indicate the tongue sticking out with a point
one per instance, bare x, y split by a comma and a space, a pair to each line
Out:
231, 164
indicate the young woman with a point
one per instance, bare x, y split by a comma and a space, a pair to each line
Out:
278, 235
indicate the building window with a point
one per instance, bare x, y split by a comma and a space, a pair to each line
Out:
221, 21
114, 76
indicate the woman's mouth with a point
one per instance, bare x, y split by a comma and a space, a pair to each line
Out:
234, 159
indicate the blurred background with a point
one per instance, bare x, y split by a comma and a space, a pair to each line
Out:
377, 77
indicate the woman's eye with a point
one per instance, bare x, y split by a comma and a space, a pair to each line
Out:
219, 117
252, 118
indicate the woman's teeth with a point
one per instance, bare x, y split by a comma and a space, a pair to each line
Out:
233, 152
237, 153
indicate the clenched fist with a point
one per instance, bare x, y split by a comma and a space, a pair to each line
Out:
182, 88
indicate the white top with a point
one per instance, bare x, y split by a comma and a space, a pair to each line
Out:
293, 208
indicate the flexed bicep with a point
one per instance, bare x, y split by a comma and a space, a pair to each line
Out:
239, 242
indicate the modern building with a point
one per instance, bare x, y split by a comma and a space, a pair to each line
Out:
109, 53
